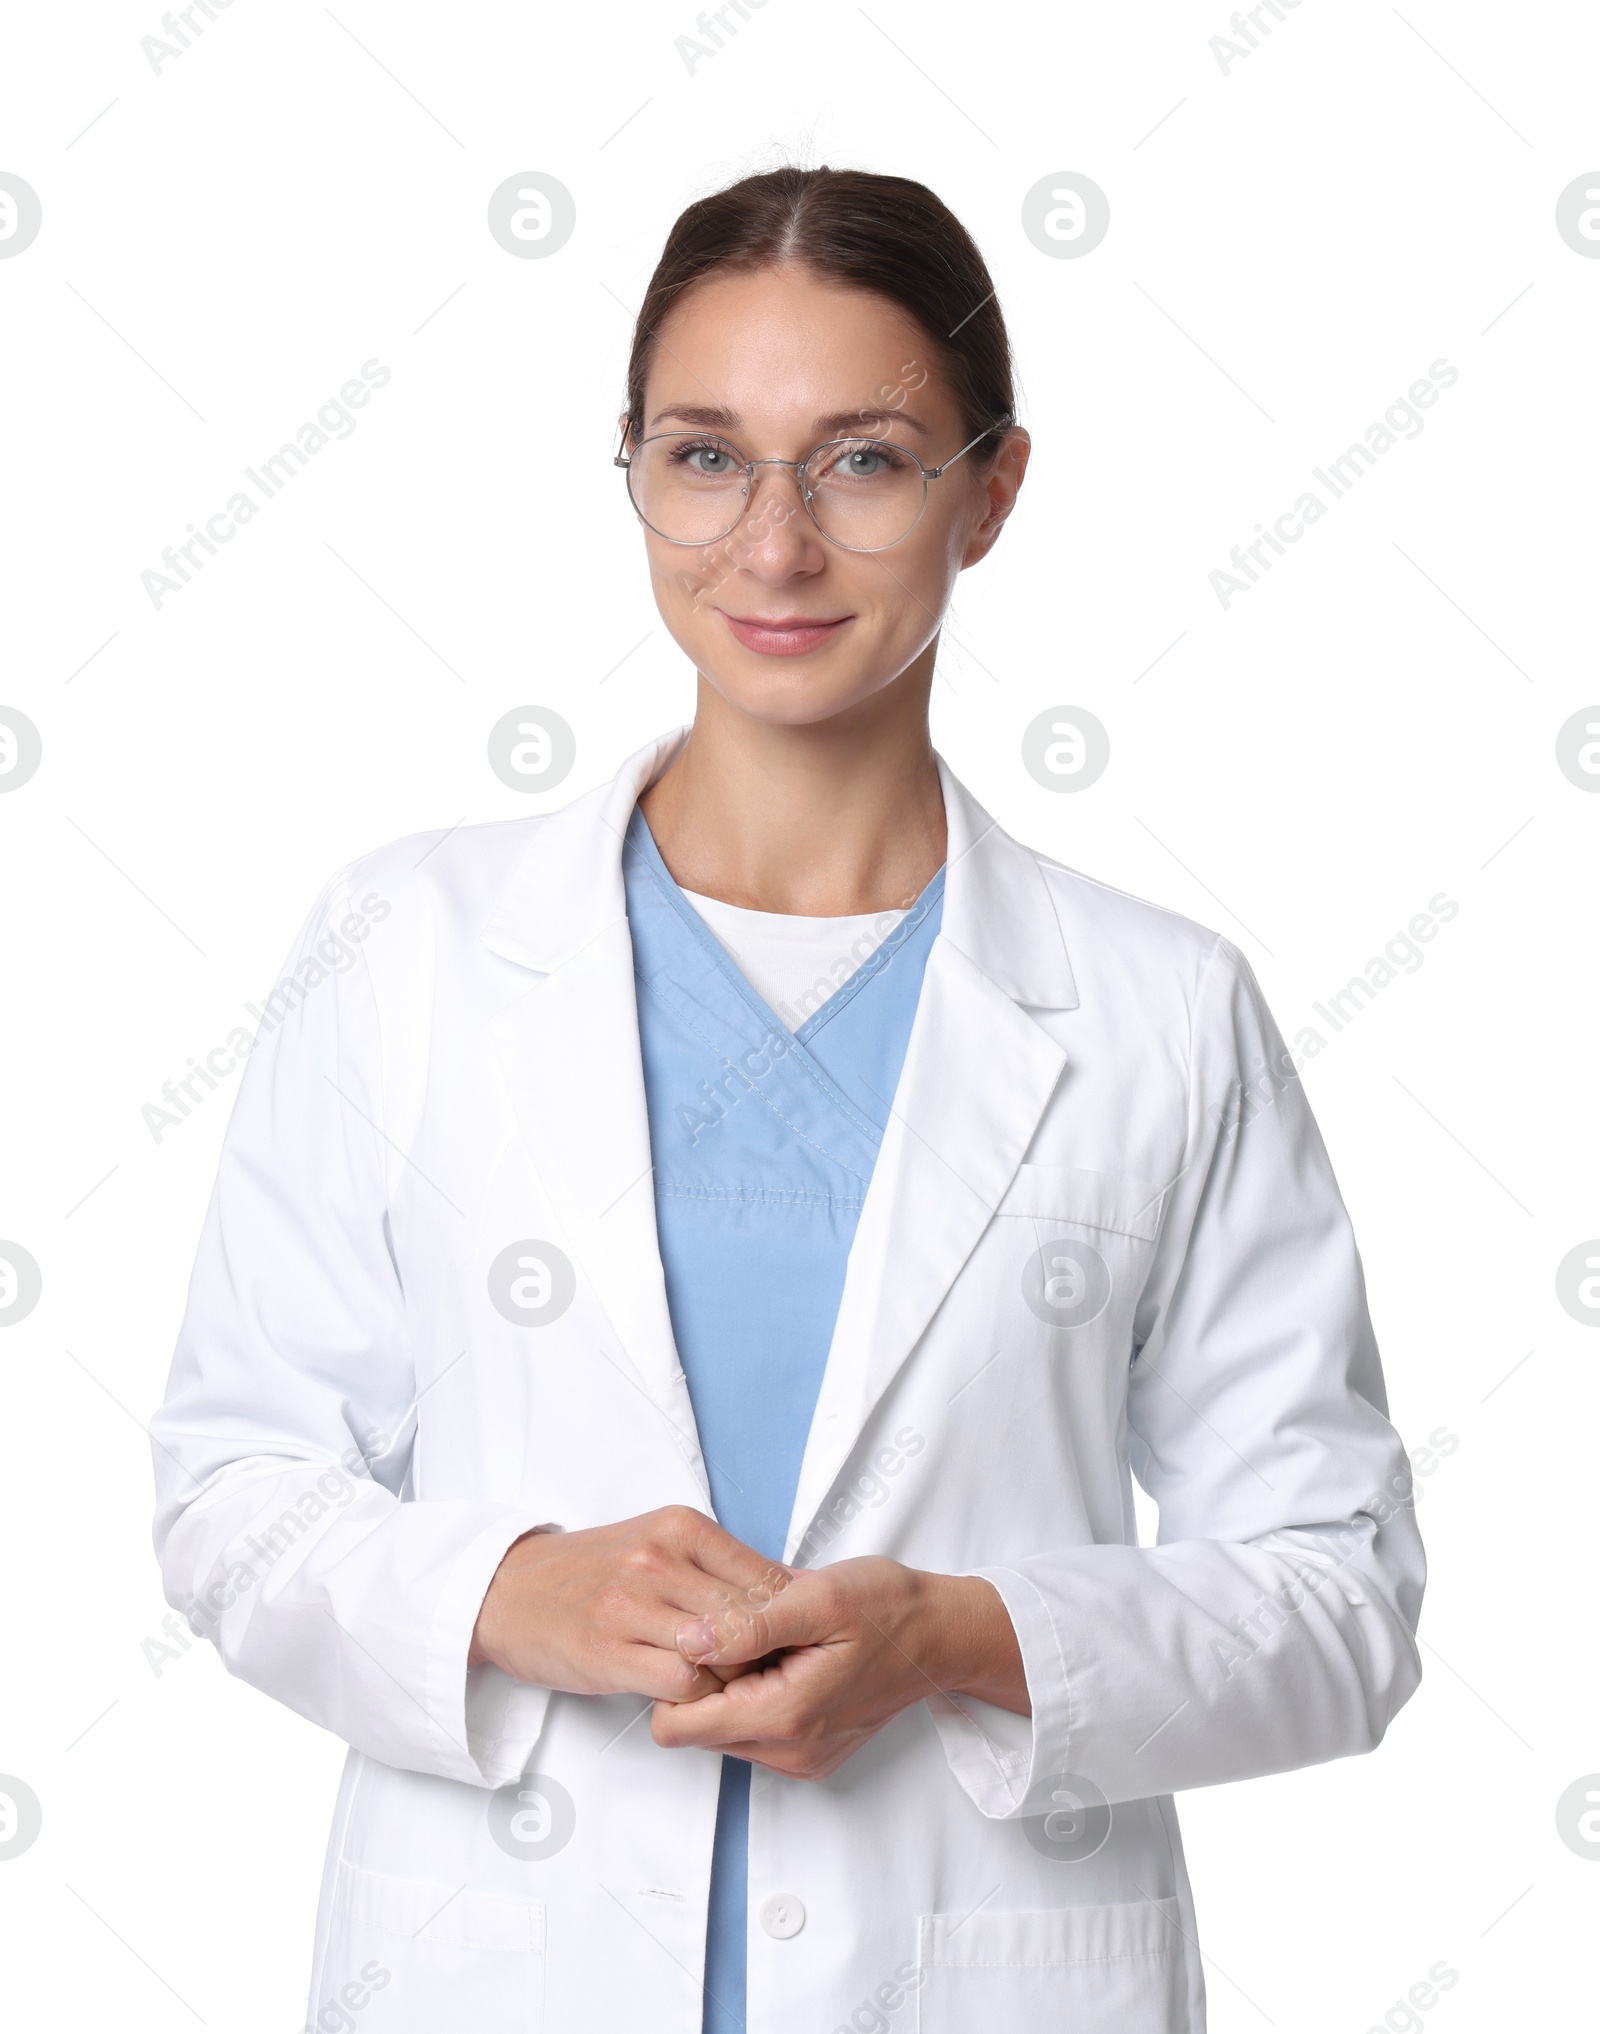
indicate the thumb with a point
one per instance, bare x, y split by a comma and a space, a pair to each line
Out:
743, 1632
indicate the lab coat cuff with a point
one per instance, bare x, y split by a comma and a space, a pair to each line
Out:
491, 1720
504, 1719
1011, 1765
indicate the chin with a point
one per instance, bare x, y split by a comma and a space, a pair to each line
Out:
785, 693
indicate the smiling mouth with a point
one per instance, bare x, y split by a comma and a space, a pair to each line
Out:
785, 635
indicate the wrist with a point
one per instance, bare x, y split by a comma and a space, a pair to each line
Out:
949, 1629
971, 1645
487, 1644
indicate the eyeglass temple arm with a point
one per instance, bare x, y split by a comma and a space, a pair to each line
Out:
1001, 424
622, 458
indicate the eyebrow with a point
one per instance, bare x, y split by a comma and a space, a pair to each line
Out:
841, 423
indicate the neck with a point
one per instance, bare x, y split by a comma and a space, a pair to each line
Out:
819, 821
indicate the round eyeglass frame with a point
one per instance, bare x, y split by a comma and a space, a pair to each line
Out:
798, 468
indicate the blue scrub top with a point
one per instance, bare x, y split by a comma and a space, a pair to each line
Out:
764, 1143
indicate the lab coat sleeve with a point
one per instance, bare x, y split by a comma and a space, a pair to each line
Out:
1272, 1625
282, 1447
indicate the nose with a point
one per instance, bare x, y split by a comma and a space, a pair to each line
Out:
776, 537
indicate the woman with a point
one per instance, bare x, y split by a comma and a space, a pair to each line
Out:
719, 1257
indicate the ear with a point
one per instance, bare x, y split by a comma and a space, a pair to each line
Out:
1001, 485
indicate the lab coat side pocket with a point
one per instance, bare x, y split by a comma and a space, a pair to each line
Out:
1098, 1970
409, 1956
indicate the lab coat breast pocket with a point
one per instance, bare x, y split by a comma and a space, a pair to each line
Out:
1097, 1970
409, 1954
1082, 1243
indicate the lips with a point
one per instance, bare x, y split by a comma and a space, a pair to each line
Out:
783, 635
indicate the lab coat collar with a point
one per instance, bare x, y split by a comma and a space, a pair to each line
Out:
997, 908
568, 886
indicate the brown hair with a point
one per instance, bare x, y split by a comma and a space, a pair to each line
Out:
884, 234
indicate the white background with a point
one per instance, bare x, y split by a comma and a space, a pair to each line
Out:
1375, 722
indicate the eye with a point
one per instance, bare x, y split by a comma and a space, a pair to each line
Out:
705, 457
861, 459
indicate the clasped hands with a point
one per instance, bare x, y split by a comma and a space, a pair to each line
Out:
791, 1669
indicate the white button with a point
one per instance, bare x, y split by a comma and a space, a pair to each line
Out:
782, 1916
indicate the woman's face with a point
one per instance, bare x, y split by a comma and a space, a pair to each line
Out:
786, 626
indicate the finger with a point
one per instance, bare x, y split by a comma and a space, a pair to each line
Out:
713, 1721
730, 1673
766, 1702
805, 1756
802, 1614
660, 1605
664, 1675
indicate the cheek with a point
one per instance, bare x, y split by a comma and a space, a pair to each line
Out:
909, 587
683, 582
929, 561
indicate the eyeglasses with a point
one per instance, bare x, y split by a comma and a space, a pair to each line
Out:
863, 494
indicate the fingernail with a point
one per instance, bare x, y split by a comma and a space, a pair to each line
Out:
699, 1639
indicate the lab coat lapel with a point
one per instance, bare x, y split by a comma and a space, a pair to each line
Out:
978, 1074
569, 1050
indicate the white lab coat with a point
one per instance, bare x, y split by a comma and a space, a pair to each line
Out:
1102, 1241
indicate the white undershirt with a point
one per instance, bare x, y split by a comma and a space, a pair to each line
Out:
794, 964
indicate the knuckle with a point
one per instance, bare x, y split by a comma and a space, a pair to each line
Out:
739, 1623
829, 1599
804, 1763
651, 1553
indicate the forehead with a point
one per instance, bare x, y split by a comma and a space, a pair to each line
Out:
784, 346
